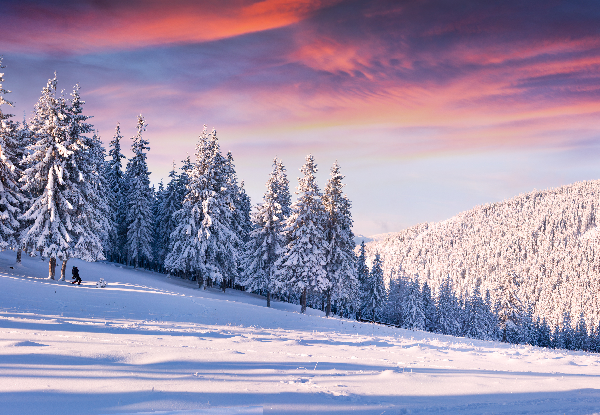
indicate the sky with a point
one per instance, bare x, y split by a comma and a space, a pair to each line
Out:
430, 107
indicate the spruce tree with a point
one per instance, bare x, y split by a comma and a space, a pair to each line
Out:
265, 244
375, 295
509, 308
301, 268
340, 259
448, 310
414, 312
66, 214
241, 223
203, 242
10, 196
117, 196
428, 307
139, 201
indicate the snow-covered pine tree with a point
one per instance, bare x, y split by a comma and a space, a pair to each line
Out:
375, 296
428, 307
580, 335
139, 201
284, 197
91, 223
414, 314
240, 216
448, 310
170, 202
10, 196
203, 242
23, 141
301, 268
65, 216
543, 334
117, 194
157, 201
340, 258
393, 310
362, 274
266, 241
478, 320
509, 308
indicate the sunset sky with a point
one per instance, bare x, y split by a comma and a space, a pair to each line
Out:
430, 107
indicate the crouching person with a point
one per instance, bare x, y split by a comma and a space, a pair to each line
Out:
76, 277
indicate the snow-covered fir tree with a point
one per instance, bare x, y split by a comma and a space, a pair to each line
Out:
375, 295
284, 198
266, 241
203, 242
428, 307
117, 196
362, 275
301, 268
139, 201
92, 216
157, 201
414, 310
10, 196
340, 258
479, 322
241, 223
448, 310
509, 308
65, 211
170, 201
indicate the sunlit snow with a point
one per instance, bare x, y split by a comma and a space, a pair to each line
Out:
149, 343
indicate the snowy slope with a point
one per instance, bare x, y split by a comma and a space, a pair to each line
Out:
149, 343
548, 239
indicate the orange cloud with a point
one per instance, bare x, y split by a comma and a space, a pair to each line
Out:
149, 23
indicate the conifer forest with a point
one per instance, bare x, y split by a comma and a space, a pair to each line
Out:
522, 271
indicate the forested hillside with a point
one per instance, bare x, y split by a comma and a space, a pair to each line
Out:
543, 243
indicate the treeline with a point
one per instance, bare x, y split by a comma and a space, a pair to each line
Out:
62, 197
410, 304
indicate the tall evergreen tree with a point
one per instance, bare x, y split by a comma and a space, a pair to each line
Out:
65, 217
301, 268
375, 296
340, 259
448, 310
241, 223
414, 312
139, 201
170, 201
203, 242
266, 241
10, 196
509, 308
117, 196
428, 307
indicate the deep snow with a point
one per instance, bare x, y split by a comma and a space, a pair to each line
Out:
150, 343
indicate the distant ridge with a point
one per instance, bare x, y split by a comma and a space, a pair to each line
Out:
547, 239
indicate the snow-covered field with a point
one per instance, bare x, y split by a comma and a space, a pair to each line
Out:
148, 343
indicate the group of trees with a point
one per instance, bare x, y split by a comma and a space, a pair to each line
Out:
61, 198
410, 304
304, 248
51, 186
546, 241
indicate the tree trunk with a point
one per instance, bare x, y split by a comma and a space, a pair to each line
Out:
63, 269
51, 268
328, 311
223, 284
303, 301
19, 252
268, 298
